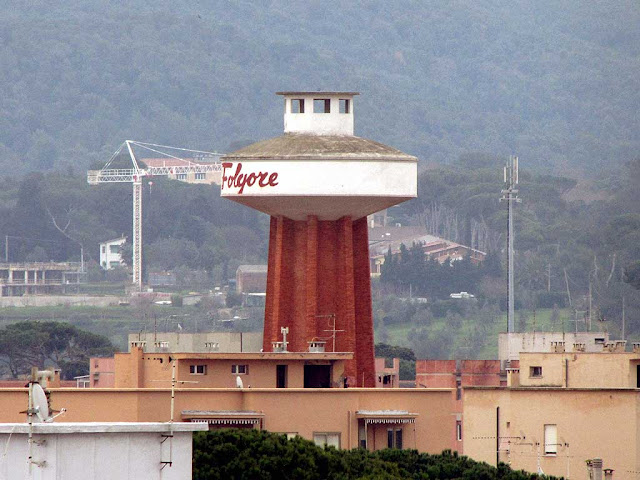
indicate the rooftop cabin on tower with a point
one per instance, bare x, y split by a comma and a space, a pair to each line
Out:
318, 182
319, 113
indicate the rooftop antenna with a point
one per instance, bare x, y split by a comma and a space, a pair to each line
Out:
169, 435
38, 410
510, 195
284, 331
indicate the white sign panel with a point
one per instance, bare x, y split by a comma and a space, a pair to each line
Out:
320, 178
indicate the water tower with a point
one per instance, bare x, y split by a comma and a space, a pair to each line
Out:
318, 182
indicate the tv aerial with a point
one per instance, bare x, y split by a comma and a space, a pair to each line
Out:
38, 410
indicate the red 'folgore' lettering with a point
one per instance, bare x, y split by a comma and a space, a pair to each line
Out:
239, 180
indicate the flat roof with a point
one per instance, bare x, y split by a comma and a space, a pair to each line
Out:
548, 389
102, 427
316, 92
276, 356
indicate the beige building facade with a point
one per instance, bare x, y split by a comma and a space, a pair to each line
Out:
346, 418
559, 410
554, 430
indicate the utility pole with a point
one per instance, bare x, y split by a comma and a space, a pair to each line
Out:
623, 319
510, 195
590, 303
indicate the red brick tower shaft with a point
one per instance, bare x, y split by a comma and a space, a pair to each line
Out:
319, 273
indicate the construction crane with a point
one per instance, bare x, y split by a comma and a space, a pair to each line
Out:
135, 175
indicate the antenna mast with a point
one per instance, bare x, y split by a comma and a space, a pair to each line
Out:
510, 195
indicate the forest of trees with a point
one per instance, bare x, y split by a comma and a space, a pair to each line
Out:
229, 454
184, 226
564, 246
44, 344
553, 82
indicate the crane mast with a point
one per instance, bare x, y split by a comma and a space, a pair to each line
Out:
135, 176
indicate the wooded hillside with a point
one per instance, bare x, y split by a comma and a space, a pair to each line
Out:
554, 82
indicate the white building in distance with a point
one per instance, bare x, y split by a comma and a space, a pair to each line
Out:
110, 253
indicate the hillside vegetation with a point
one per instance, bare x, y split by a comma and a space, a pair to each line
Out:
555, 82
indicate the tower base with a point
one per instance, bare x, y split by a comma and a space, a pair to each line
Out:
318, 285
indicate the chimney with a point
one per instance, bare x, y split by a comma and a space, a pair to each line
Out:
141, 344
610, 347
621, 346
608, 474
595, 468
557, 347
579, 347
636, 347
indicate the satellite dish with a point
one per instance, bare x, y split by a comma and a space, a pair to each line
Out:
239, 383
39, 402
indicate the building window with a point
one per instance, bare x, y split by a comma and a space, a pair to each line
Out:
297, 105
535, 371
114, 248
291, 435
240, 369
198, 369
458, 430
104, 249
201, 176
114, 264
181, 176
321, 105
550, 439
323, 439
394, 438
345, 105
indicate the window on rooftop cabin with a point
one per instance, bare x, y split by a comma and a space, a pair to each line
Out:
321, 105
345, 105
297, 105
535, 371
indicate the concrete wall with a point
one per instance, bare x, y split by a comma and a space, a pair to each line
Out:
510, 345
118, 452
52, 300
590, 423
580, 370
303, 411
197, 342
102, 372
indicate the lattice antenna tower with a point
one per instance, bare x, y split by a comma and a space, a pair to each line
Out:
510, 195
